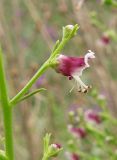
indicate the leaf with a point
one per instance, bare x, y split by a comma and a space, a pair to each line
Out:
31, 94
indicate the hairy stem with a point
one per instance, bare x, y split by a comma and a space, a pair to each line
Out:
7, 113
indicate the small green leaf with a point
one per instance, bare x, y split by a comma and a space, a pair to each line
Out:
31, 94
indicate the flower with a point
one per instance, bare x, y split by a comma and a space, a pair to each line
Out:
74, 156
77, 132
105, 39
72, 67
92, 116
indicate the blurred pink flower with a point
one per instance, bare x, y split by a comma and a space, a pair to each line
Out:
72, 67
77, 132
105, 39
72, 156
75, 156
91, 115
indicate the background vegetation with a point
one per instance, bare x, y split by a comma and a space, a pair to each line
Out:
28, 30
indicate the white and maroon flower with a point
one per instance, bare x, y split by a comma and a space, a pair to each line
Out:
105, 39
72, 67
92, 116
75, 156
77, 132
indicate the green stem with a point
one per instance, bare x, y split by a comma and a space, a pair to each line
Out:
60, 47
44, 67
7, 113
15, 99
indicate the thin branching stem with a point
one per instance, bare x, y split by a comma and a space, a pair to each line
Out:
43, 68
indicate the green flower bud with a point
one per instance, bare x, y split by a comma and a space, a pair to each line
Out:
70, 31
54, 150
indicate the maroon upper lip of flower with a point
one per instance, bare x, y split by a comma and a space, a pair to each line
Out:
67, 65
95, 117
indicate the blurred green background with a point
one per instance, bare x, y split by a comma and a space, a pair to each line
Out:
28, 31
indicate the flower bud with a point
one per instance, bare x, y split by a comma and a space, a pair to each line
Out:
69, 31
54, 149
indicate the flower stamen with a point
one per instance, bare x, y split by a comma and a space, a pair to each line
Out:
81, 86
